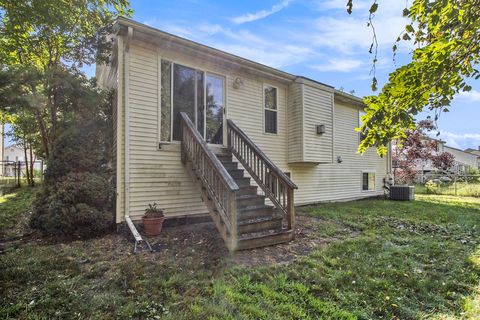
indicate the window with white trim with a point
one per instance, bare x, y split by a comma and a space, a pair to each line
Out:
368, 181
270, 109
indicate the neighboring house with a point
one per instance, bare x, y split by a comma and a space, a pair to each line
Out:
475, 152
463, 159
293, 139
14, 154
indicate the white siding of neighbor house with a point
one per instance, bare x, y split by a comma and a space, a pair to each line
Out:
463, 157
157, 175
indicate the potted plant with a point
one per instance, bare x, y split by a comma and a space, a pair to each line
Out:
153, 220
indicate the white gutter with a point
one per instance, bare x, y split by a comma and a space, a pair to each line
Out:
125, 78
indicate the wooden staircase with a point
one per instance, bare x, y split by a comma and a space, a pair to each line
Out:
258, 224
237, 207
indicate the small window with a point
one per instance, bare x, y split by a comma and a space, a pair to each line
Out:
368, 181
270, 106
362, 134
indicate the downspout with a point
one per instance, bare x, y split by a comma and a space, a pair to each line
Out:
139, 241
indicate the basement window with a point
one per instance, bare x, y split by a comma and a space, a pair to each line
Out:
368, 181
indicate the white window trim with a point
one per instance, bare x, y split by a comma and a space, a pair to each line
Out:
264, 108
361, 181
159, 104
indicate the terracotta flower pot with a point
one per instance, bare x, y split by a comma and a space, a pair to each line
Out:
153, 225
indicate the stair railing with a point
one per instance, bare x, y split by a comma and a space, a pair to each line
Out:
220, 186
276, 185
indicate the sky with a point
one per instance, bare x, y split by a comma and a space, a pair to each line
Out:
313, 38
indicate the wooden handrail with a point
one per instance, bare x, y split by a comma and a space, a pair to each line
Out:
276, 185
219, 185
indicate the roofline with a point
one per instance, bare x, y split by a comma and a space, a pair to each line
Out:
122, 21
342, 96
232, 58
460, 150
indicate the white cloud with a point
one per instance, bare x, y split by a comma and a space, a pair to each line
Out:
341, 4
339, 65
266, 49
472, 96
460, 141
249, 17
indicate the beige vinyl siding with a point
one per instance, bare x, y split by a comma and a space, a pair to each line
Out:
318, 109
154, 175
340, 181
245, 108
157, 175
294, 122
310, 105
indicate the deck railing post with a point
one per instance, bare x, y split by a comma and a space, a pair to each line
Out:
232, 209
290, 209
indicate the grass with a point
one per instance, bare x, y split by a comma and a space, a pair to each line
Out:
463, 189
408, 260
14, 210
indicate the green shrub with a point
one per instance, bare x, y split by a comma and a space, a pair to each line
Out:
76, 197
431, 187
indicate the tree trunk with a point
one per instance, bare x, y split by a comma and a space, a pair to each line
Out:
43, 133
27, 169
32, 163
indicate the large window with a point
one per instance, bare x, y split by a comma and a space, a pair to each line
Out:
200, 95
368, 181
270, 109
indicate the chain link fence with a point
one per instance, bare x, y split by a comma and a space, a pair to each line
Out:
450, 183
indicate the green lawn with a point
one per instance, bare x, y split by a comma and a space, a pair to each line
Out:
406, 260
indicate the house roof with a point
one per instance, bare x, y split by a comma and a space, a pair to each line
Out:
123, 23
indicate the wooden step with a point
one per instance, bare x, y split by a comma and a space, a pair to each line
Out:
242, 182
247, 190
236, 173
250, 200
230, 165
251, 241
225, 157
253, 212
260, 224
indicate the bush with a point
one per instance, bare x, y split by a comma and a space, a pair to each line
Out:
76, 196
431, 187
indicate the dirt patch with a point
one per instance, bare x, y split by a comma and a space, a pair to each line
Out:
202, 243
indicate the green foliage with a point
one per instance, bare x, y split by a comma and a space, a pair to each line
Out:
448, 52
153, 210
76, 197
43, 33
431, 187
